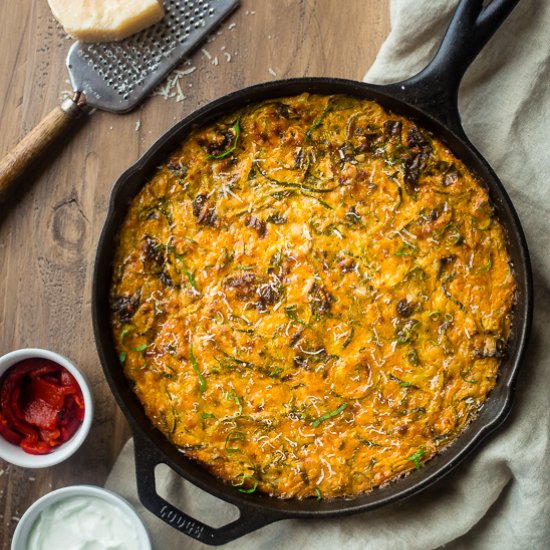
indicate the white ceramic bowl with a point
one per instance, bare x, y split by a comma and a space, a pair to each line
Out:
25, 525
14, 454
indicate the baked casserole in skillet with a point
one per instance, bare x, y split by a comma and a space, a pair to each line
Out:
311, 297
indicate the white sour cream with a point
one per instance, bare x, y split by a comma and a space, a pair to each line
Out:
83, 523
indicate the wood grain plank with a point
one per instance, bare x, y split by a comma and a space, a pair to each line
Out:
48, 237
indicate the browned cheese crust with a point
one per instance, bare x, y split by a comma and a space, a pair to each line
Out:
312, 297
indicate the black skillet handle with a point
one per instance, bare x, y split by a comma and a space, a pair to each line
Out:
147, 458
434, 90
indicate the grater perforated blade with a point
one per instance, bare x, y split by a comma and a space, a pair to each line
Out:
116, 76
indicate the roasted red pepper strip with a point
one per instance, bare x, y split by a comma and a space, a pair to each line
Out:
41, 405
7, 433
43, 401
36, 447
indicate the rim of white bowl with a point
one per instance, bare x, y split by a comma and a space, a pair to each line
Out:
17, 456
26, 523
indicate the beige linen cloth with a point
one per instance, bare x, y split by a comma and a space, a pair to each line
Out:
499, 498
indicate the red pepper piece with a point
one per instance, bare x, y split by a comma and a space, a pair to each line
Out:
68, 431
51, 437
72, 418
17, 423
78, 409
42, 367
67, 379
41, 414
50, 392
7, 433
13, 403
42, 402
79, 400
35, 447
9, 383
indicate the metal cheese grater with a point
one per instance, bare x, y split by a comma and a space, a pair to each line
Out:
116, 76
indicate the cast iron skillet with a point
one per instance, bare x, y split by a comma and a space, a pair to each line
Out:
430, 98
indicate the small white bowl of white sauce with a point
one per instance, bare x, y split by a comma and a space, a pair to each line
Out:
80, 517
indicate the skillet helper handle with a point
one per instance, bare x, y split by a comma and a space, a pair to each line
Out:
147, 458
17, 163
435, 89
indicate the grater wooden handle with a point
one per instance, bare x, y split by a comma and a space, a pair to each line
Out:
17, 163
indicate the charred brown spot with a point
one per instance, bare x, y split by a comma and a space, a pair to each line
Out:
412, 173
269, 294
262, 137
204, 211
177, 169
165, 279
392, 128
416, 140
152, 251
244, 285
320, 299
402, 429
198, 204
155, 260
277, 219
282, 110
420, 148
257, 224
404, 308
346, 264
124, 307
218, 143
368, 140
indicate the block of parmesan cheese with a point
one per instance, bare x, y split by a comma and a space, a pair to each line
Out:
105, 20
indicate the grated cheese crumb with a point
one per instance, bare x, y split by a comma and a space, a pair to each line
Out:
180, 96
185, 72
172, 87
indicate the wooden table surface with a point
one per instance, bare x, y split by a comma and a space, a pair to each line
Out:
48, 236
